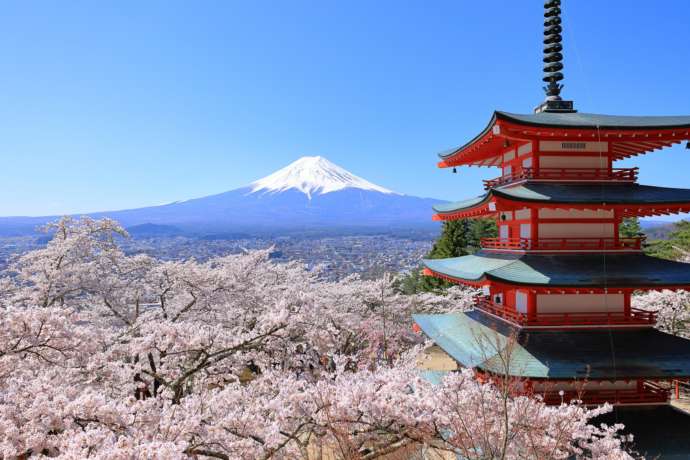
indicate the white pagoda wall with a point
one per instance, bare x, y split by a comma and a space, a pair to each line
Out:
576, 230
575, 386
562, 161
615, 385
548, 213
524, 213
573, 303
520, 214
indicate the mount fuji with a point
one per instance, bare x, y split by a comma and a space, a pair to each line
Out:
309, 195
313, 175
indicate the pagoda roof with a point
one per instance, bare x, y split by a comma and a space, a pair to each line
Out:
475, 339
570, 193
563, 270
630, 133
596, 121
645, 422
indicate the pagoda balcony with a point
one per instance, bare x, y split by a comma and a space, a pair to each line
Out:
566, 175
564, 244
636, 317
648, 394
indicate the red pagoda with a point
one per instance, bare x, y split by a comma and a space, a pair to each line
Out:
558, 279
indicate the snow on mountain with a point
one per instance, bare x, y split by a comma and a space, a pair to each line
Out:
312, 194
312, 176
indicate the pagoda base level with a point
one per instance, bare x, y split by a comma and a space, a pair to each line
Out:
660, 431
591, 392
649, 394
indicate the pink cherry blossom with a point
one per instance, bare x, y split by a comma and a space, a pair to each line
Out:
107, 355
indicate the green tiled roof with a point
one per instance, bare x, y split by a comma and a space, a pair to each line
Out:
472, 267
579, 120
474, 339
595, 193
465, 204
594, 121
565, 270
542, 192
474, 344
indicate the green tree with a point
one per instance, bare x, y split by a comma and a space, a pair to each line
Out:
458, 238
630, 228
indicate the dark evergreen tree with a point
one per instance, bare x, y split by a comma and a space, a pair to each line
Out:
630, 228
458, 238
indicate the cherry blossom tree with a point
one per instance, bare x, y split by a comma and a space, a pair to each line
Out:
109, 355
672, 309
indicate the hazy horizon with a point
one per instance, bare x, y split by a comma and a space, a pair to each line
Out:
126, 105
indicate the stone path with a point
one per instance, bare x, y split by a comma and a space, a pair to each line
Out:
683, 404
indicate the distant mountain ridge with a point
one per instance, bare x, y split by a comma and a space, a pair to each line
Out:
657, 230
311, 193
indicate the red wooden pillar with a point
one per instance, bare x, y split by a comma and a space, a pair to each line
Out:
503, 162
509, 300
610, 158
531, 305
677, 389
626, 302
616, 227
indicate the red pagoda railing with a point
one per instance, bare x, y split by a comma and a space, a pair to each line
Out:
649, 393
566, 174
563, 244
596, 318
501, 311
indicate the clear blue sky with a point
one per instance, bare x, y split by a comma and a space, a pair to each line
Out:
111, 105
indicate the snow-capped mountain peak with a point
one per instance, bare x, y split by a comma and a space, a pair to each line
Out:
313, 176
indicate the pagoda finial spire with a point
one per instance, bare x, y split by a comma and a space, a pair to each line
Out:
553, 60
552, 49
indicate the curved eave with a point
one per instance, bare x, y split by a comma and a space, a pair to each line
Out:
641, 353
592, 121
629, 199
447, 154
465, 339
482, 150
629, 135
474, 207
593, 194
568, 271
